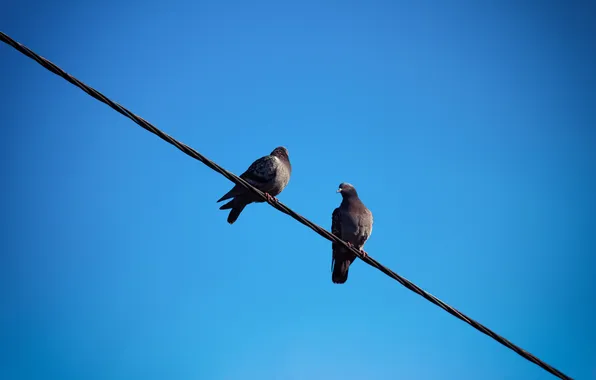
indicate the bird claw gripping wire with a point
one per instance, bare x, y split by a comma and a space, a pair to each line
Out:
362, 251
271, 198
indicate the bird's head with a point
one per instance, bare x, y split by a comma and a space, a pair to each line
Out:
346, 189
281, 152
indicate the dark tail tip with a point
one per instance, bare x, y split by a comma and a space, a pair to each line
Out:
234, 214
339, 280
227, 205
340, 272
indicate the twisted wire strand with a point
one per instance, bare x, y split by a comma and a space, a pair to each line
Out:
276, 204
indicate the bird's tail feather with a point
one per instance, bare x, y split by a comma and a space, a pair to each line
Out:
235, 213
340, 271
237, 205
232, 193
228, 205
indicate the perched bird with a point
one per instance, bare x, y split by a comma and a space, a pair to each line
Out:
270, 174
352, 222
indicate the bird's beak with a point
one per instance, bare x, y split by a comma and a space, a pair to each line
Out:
338, 191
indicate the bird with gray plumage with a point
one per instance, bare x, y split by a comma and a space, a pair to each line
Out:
270, 174
352, 222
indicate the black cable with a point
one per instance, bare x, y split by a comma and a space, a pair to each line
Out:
278, 205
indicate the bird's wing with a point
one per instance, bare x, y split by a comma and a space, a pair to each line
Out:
260, 172
335, 230
366, 222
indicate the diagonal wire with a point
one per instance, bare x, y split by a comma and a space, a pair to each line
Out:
276, 204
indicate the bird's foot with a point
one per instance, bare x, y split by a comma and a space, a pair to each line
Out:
271, 198
362, 251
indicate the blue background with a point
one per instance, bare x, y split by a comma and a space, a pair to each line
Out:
467, 128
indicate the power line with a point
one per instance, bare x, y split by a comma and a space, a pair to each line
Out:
278, 205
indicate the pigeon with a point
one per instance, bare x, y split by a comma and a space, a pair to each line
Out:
352, 222
270, 174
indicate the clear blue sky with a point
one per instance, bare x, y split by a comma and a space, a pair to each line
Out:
467, 128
